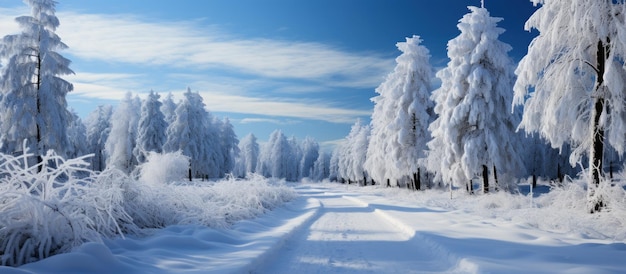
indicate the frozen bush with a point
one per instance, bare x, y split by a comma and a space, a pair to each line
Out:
54, 206
162, 168
213, 204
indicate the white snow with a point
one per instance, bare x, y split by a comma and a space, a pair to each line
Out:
334, 228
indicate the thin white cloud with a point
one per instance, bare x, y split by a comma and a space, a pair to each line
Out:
302, 109
127, 39
267, 120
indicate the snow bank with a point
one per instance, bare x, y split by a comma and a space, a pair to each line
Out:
550, 207
57, 205
213, 204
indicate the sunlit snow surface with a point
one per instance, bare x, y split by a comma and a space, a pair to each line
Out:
333, 228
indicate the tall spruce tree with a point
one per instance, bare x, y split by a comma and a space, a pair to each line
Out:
401, 115
475, 130
33, 104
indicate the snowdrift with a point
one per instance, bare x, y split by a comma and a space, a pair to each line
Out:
56, 205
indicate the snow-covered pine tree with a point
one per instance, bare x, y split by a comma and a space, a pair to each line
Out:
321, 167
228, 146
33, 104
401, 115
352, 154
248, 156
189, 133
98, 125
571, 82
333, 163
475, 129
150, 128
310, 153
168, 108
77, 137
121, 141
275, 156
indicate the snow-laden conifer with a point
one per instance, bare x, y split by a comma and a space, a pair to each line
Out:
352, 154
150, 129
122, 137
310, 153
33, 104
168, 108
401, 115
248, 156
475, 130
189, 133
276, 157
98, 128
571, 82
228, 147
321, 167
77, 137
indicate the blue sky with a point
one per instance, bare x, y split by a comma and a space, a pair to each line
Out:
306, 67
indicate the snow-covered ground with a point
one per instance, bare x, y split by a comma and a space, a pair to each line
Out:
333, 228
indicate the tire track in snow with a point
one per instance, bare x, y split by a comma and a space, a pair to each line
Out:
349, 236
460, 265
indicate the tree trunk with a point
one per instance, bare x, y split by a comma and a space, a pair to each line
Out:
418, 180
485, 179
597, 147
189, 174
495, 178
388, 183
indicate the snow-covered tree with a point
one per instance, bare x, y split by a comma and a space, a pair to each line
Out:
189, 133
168, 108
333, 163
321, 167
276, 156
401, 116
475, 129
77, 137
352, 154
98, 128
310, 153
150, 129
121, 141
228, 146
571, 82
248, 155
33, 104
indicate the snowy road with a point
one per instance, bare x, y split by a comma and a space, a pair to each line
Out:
334, 228
345, 237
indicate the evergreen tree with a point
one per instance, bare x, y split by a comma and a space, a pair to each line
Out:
33, 104
98, 128
321, 167
229, 147
248, 156
475, 129
121, 141
150, 129
77, 137
401, 116
310, 153
352, 153
275, 157
571, 82
168, 108
189, 133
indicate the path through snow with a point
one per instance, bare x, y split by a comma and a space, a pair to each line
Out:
347, 236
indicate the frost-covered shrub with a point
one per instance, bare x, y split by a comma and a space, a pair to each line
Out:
213, 204
54, 206
162, 168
